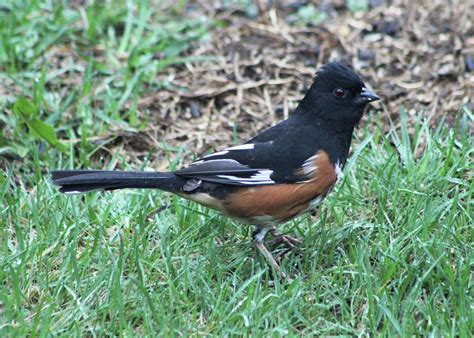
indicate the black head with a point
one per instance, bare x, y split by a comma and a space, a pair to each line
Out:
338, 94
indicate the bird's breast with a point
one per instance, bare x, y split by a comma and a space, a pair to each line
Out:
281, 202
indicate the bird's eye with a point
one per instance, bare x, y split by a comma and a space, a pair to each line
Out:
340, 92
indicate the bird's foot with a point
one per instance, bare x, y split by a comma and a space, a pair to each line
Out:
270, 259
287, 240
258, 237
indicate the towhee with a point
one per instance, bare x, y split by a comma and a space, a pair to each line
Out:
281, 173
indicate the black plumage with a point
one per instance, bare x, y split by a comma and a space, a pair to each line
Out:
286, 160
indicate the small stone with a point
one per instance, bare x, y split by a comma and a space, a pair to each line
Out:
373, 37
469, 60
279, 110
195, 111
389, 26
446, 69
365, 54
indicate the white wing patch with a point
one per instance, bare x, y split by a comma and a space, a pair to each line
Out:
218, 167
223, 152
227, 150
217, 160
261, 177
242, 147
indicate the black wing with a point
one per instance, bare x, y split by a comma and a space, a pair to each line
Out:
235, 166
253, 163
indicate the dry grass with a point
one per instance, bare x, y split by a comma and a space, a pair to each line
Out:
414, 56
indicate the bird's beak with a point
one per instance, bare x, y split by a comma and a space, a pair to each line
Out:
368, 96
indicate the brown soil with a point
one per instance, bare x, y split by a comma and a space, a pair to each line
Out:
418, 56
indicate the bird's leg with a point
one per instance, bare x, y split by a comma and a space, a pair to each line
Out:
290, 242
258, 237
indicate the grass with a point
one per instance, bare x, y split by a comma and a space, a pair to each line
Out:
391, 252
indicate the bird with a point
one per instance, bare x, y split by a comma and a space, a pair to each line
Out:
283, 172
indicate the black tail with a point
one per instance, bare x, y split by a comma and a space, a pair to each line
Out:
79, 181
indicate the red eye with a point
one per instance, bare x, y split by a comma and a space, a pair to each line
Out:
339, 92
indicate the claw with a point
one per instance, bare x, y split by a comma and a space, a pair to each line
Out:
258, 237
289, 241
269, 257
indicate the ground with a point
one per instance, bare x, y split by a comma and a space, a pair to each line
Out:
148, 85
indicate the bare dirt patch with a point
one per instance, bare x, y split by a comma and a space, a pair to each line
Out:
416, 55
